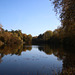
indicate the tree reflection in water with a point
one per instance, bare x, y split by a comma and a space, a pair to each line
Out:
13, 49
66, 56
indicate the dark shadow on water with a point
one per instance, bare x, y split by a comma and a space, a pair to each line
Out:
62, 53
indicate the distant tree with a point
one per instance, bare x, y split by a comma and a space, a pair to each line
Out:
12, 31
24, 37
40, 37
29, 37
6, 30
47, 35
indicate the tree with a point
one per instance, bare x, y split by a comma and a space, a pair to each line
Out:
47, 35
29, 37
24, 37
66, 8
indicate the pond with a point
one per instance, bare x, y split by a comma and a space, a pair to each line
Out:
35, 60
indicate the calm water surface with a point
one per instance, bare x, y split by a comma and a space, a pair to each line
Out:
32, 60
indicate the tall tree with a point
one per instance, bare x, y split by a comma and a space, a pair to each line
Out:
66, 8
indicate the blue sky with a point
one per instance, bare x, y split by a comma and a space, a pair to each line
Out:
31, 16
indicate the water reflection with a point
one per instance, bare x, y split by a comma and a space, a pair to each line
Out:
36, 60
14, 49
68, 57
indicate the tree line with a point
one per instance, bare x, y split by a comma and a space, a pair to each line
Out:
63, 35
55, 37
66, 11
14, 37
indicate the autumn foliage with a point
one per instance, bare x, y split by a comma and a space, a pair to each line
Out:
14, 37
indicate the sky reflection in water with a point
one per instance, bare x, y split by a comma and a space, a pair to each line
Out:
29, 60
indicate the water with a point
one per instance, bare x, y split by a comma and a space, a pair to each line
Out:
33, 60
